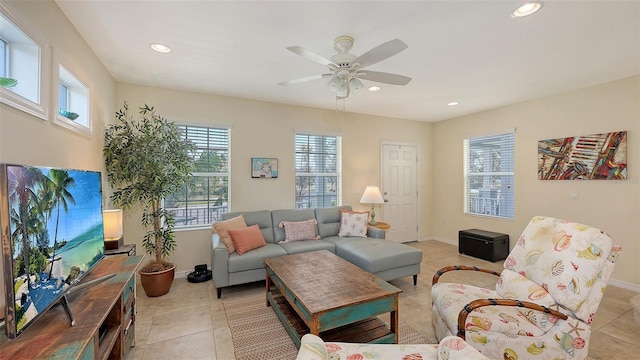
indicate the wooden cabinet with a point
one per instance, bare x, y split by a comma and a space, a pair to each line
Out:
104, 319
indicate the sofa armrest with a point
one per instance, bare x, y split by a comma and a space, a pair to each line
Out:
376, 233
219, 262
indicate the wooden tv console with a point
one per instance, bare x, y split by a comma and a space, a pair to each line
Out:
104, 317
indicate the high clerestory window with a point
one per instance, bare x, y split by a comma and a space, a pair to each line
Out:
318, 171
73, 101
489, 172
207, 198
3, 58
24, 64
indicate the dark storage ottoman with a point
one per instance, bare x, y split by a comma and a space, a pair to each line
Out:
483, 244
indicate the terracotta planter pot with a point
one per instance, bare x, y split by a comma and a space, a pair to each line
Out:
157, 283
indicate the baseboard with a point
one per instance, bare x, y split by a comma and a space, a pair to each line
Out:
612, 282
625, 285
182, 274
444, 240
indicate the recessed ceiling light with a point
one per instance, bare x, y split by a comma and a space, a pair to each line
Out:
160, 48
374, 88
453, 103
527, 9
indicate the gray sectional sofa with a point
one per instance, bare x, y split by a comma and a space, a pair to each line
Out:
383, 258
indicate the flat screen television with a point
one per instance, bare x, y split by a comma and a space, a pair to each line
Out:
52, 235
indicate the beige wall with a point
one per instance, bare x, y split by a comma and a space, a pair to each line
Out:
261, 129
25, 139
266, 129
613, 206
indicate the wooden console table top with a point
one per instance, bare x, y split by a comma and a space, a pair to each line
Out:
327, 291
52, 335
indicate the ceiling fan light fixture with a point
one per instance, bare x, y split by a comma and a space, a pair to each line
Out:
527, 9
374, 88
336, 84
355, 84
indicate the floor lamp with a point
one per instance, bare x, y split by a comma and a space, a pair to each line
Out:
372, 196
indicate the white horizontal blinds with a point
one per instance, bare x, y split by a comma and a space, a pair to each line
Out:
208, 196
212, 155
489, 169
318, 170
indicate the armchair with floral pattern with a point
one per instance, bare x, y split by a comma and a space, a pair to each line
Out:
544, 300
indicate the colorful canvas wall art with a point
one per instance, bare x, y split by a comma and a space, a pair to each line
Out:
589, 157
265, 168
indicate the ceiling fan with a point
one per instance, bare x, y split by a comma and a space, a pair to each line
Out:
346, 69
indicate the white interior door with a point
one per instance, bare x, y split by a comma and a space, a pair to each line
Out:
400, 190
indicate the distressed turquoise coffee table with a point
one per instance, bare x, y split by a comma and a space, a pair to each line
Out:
322, 294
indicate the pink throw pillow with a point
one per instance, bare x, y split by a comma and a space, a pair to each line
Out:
299, 230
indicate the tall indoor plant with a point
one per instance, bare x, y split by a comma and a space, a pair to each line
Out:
146, 160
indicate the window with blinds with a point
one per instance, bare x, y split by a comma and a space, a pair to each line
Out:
318, 171
207, 197
489, 172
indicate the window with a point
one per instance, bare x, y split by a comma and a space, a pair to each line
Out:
208, 197
24, 64
318, 171
3, 58
63, 97
489, 175
73, 107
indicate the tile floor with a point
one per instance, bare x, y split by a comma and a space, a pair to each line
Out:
190, 322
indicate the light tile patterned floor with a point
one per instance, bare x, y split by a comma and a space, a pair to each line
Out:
190, 323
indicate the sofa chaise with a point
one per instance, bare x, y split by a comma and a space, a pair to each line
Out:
383, 258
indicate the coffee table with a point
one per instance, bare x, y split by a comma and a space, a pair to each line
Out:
320, 293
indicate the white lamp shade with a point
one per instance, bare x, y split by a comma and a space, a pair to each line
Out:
336, 84
355, 84
112, 223
372, 195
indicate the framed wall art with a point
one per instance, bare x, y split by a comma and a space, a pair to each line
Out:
588, 157
264, 168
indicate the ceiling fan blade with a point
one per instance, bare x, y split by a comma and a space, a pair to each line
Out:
310, 55
380, 52
305, 79
383, 77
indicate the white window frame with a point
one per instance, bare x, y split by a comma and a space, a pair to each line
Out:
3, 57
301, 204
186, 215
494, 195
28, 61
79, 99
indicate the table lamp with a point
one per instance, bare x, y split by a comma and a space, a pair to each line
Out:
372, 196
112, 220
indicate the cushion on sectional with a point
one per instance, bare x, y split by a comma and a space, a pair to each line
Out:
353, 223
247, 239
222, 229
299, 230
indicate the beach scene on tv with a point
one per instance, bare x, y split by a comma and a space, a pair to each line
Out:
56, 234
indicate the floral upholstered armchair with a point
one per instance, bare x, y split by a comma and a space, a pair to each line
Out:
313, 347
545, 298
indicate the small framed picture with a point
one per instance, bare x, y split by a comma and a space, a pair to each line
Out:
264, 168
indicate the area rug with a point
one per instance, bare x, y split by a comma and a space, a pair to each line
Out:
258, 334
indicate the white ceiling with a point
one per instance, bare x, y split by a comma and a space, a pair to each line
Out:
467, 51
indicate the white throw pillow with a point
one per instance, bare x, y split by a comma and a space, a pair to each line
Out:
353, 223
